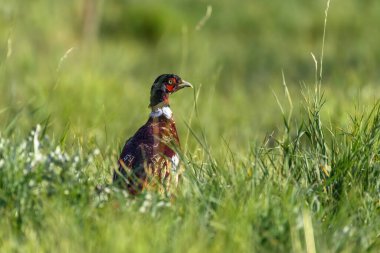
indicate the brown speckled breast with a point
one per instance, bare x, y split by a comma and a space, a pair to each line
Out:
146, 160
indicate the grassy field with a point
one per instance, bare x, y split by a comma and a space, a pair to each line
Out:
282, 153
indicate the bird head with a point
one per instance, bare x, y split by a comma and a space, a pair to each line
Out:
163, 86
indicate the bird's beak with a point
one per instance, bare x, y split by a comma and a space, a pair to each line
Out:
183, 85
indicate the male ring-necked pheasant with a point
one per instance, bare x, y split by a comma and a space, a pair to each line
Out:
149, 158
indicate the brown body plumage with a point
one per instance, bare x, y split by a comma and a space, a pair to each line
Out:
149, 159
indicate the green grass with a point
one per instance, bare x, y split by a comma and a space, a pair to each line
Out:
274, 163
313, 186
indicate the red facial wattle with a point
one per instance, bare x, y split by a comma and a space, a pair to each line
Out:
169, 87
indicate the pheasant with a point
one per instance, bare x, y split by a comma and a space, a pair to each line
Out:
149, 158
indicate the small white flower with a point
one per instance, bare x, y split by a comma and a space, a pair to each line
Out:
148, 196
23, 146
142, 209
57, 150
161, 203
32, 183
38, 157
36, 142
96, 152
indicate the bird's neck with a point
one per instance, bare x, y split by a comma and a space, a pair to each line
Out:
161, 109
158, 99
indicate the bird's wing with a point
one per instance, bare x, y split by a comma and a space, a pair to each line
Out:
132, 158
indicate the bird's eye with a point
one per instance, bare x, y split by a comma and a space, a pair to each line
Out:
170, 81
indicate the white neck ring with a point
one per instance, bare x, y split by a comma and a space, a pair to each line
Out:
165, 110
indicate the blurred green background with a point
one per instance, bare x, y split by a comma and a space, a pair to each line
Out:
88, 65
84, 68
